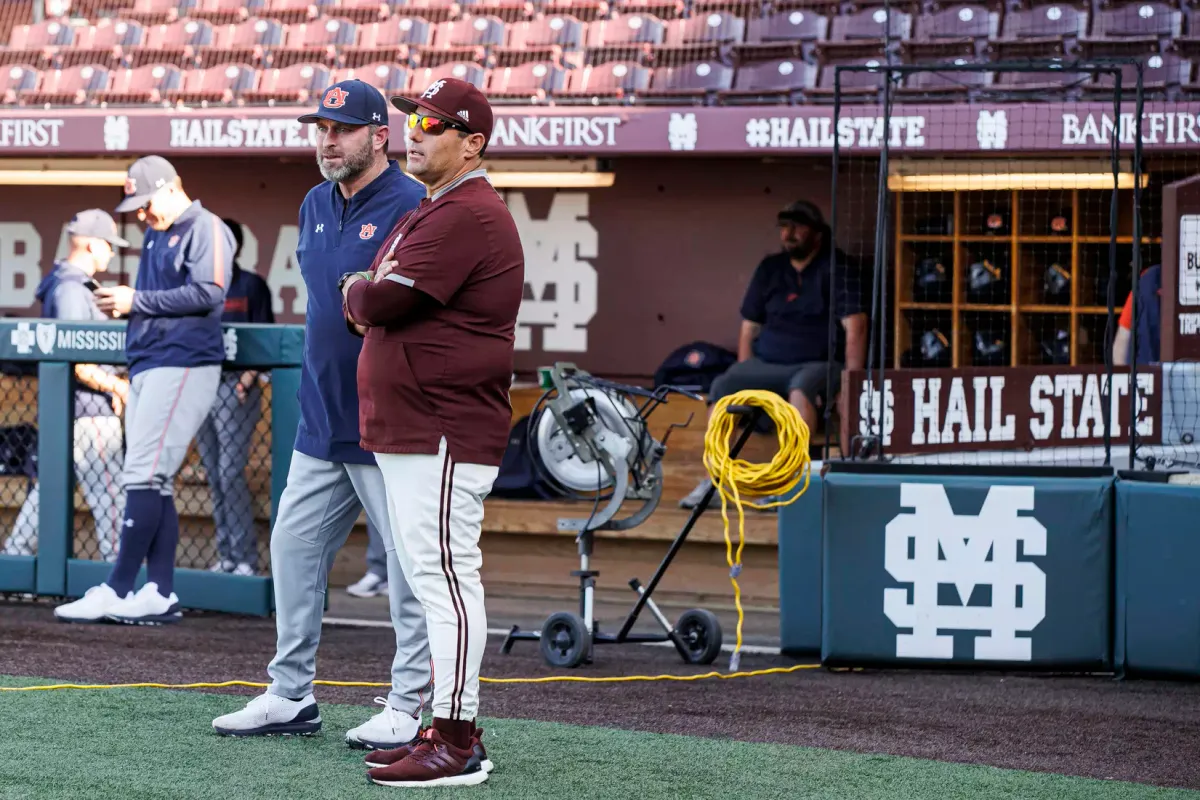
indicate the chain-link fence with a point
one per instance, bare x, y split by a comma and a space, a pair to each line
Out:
222, 492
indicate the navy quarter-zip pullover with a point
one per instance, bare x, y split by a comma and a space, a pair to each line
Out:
339, 236
179, 294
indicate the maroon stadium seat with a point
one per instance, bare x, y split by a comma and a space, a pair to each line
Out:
433, 10
219, 12
781, 80
1140, 27
220, 83
145, 84
1058, 85
693, 82
862, 33
663, 9
623, 37
18, 78
957, 30
582, 10
713, 27
156, 12
470, 31
176, 43
1040, 31
35, 44
287, 11
555, 30
797, 25
361, 12
473, 74
858, 84
388, 78
1162, 76
610, 82
507, 10
296, 83
72, 85
105, 42
314, 42
389, 40
244, 42
956, 86
529, 83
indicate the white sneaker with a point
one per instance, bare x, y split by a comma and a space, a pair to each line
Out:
95, 605
369, 585
222, 566
271, 715
244, 569
147, 607
387, 729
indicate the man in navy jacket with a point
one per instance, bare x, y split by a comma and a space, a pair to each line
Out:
331, 478
174, 349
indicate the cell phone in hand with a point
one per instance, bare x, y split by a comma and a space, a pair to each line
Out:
91, 285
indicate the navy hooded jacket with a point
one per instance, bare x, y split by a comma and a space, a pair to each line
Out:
339, 236
63, 296
180, 294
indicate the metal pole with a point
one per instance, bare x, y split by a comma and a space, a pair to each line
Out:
1137, 263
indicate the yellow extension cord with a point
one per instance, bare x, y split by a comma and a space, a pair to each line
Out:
735, 479
738, 478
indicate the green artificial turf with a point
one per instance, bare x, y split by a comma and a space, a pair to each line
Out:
148, 743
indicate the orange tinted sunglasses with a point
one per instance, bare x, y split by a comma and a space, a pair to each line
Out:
434, 126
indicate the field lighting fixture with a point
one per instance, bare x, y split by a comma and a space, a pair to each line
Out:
978, 176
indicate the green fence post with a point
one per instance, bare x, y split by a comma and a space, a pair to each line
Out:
56, 476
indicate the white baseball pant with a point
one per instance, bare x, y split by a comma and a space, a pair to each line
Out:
436, 512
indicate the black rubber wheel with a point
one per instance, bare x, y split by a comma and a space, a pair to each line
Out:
701, 634
565, 640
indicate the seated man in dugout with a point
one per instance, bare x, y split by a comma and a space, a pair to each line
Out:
784, 342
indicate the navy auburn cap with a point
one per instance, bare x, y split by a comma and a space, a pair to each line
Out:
352, 102
145, 177
454, 100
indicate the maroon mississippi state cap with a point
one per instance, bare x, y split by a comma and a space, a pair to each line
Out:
454, 100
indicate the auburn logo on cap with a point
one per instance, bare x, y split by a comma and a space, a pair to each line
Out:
367, 231
130, 186
335, 98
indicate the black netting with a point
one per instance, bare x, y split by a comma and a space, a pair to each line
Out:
18, 463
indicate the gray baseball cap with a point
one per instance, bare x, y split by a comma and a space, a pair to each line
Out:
96, 224
145, 177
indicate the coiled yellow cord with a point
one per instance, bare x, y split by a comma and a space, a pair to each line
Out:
736, 478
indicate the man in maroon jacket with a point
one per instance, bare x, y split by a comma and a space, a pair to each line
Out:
439, 310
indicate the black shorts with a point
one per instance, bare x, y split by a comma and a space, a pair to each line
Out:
810, 378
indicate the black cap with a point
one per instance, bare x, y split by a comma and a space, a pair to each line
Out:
353, 102
145, 177
95, 223
804, 213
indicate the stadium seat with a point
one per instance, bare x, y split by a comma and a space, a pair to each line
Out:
146, 84
860, 84
861, 34
157, 12
934, 86
507, 10
1133, 29
177, 43
361, 12
781, 80
663, 9
296, 83
389, 40
35, 44
388, 78
585, 11
70, 86
1012, 86
1163, 75
220, 12
527, 84
473, 74
433, 10
1041, 31
220, 83
547, 38
286, 11
714, 27
623, 38
695, 82
464, 39
799, 27
958, 30
106, 42
16, 79
611, 82
242, 42
314, 42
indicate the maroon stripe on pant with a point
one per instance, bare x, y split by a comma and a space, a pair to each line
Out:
451, 579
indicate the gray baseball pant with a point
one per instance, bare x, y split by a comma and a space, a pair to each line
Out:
318, 508
166, 407
376, 552
98, 458
224, 443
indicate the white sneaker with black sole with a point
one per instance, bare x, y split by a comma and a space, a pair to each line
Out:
271, 715
147, 607
388, 729
94, 607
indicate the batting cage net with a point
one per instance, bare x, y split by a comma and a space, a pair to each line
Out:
222, 492
1012, 296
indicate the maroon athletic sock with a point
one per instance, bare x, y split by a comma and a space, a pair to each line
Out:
455, 731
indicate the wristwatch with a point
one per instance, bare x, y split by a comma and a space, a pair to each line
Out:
342, 280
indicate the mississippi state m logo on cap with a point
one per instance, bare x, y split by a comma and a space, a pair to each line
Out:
434, 88
335, 98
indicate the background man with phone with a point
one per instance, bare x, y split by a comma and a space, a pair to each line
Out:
66, 293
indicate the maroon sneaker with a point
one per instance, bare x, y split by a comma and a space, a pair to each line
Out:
432, 762
385, 758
